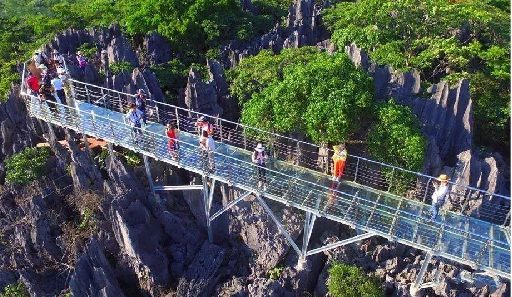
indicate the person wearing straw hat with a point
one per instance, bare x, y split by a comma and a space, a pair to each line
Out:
439, 195
339, 158
259, 158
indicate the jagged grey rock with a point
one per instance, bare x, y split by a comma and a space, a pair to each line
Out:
201, 96
156, 48
93, 276
198, 280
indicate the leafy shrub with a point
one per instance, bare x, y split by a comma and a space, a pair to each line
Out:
17, 290
118, 67
88, 50
132, 158
396, 138
170, 75
348, 281
275, 273
27, 165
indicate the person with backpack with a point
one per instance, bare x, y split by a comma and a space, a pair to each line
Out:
339, 158
140, 102
172, 138
203, 150
46, 95
134, 117
439, 195
259, 158
58, 59
203, 125
82, 61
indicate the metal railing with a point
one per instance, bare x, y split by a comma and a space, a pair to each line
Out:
457, 237
360, 170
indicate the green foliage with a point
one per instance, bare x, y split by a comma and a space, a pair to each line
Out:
132, 158
17, 290
118, 67
396, 138
324, 96
27, 165
348, 281
101, 158
444, 40
275, 273
88, 50
87, 220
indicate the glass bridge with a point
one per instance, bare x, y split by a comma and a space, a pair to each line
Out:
365, 200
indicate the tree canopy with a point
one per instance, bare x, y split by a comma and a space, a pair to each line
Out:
304, 90
444, 40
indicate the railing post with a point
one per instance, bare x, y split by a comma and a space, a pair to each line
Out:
506, 218
391, 179
120, 103
93, 119
87, 94
245, 138
177, 118
297, 147
103, 98
157, 113
220, 130
426, 189
357, 169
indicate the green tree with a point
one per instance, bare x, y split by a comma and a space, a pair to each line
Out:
26, 165
321, 95
17, 290
348, 281
396, 139
444, 40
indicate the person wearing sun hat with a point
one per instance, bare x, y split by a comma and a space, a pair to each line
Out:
439, 195
259, 157
339, 158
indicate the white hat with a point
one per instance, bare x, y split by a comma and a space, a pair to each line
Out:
201, 119
55, 51
259, 147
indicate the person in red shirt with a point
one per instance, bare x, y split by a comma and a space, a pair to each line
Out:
33, 84
172, 135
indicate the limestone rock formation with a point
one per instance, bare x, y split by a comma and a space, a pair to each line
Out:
303, 28
156, 48
199, 278
200, 96
93, 275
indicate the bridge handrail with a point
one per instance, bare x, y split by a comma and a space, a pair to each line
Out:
301, 142
394, 212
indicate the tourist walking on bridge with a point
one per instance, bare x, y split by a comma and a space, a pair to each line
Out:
339, 158
141, 100
58, 86
33, 84
82, 61
172, 138
134, 117
439, 195
259, 158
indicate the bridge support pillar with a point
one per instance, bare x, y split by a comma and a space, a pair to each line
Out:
110, 149
148, 173
208, 197
309, 222
416, 287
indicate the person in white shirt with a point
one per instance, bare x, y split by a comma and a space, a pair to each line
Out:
210, 145
59, 88
134, 117
259, 157
439, 195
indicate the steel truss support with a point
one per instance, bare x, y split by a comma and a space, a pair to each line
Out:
208, 197
110, 149
230, 204
148, 173
279, 226
416, 287
178, 188
309, 222
340, 243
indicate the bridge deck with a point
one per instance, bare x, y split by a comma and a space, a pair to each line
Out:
454, 236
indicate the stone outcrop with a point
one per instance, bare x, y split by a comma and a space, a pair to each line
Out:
199, 278
303, 28
93, 275
447, 122
156, 49
136, 231
138, 79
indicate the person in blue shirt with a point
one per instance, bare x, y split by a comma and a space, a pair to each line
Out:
134, 117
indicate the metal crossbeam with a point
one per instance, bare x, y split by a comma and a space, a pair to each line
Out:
230, 204
340, 243
178, 188
279, 226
